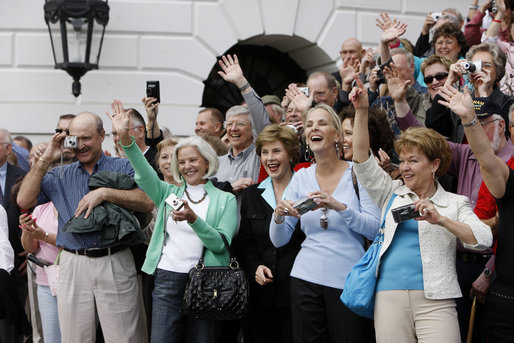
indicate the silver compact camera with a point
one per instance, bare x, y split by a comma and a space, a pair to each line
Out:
304, 90
472, 67
71, 142
292, 127
174, 202
304, 205
436, 16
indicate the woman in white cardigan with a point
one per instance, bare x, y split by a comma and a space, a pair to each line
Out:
417, 281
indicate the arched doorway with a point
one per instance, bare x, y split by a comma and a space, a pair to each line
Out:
270, 63
268, 70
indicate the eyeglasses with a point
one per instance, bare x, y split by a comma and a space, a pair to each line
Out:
439, 77
484, 124
238, 124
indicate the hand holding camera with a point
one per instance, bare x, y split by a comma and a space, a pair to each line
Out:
180, 209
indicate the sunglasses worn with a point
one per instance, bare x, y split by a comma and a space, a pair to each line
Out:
61, 130
438, 77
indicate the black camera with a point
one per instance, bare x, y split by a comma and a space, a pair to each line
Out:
38, 261
304, 205
403, 213
153, 90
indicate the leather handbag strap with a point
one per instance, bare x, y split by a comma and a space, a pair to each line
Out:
233, 260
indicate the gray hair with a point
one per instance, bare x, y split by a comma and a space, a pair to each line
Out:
7, 139
401, 51
511, 109
204, 149
240, 110
499, 57
458, 15
452, 19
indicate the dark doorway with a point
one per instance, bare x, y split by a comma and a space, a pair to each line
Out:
268, 70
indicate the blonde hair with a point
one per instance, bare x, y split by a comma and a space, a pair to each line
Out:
334, 118
430, 143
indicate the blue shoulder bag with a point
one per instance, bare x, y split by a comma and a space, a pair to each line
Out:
359, 290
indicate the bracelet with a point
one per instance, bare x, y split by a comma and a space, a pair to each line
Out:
244, 87
473, 7
471, 123
497, 21
46, 236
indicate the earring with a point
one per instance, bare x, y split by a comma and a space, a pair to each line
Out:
433, 175
337, 149
307, 154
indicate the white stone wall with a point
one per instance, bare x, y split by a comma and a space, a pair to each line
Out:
175, 42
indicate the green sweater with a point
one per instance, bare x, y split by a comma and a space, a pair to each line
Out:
221, 214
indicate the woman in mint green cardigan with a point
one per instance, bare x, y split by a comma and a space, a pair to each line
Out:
180, 235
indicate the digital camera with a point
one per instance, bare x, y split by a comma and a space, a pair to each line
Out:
153, 90
304, 90
174, 202
403, 213
304, 205
71, 142
292, 127
436, 16
473, 67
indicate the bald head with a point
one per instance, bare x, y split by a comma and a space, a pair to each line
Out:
88, 118
88, 128
352, 48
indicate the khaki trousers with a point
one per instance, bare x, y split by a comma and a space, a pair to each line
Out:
107, 286
406, 316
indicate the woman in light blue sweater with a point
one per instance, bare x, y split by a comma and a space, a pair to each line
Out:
335, 234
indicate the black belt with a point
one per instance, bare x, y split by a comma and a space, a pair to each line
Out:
97, 252
473, 258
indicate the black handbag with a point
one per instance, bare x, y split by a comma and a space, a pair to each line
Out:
216, 293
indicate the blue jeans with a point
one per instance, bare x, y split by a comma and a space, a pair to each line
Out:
168, 323
49, 317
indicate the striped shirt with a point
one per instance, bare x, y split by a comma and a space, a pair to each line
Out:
67, 191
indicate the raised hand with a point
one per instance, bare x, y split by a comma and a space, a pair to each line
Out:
428, 23
385, 22
359, 96
298, 98
348, 70
397, 87
395, 31
121, 121
151, 107
460, 103
231, 70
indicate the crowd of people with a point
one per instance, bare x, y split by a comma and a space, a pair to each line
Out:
299, 187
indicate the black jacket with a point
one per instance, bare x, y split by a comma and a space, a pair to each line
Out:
118, 225
13, 211
255, 248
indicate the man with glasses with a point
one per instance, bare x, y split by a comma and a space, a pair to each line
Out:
240, 166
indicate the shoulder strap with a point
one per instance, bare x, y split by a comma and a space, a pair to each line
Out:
382, 225
200, 262
355, 185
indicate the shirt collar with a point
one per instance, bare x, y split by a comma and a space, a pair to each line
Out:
244, 154
269, 194
98, 164
439, 198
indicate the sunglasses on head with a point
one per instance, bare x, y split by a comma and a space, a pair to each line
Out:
438, 77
